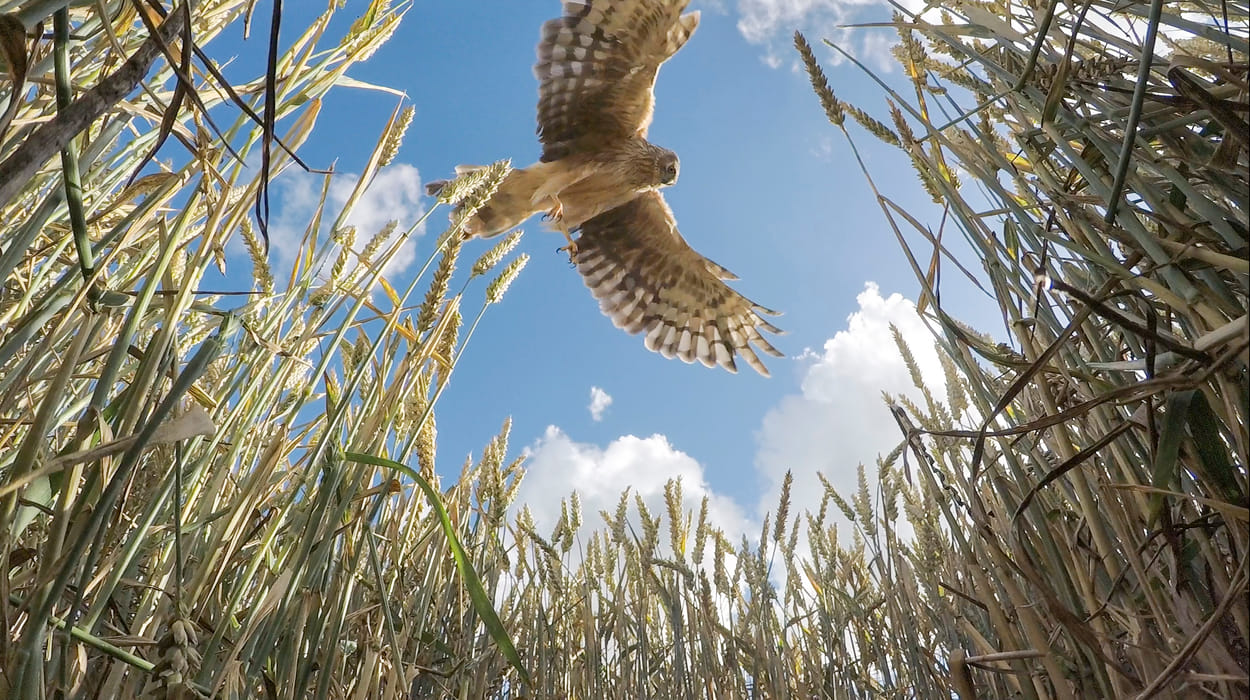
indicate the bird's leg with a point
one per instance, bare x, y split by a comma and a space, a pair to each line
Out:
571, 248
556, 213
556, 216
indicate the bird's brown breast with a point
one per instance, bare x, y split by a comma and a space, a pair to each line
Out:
605, 189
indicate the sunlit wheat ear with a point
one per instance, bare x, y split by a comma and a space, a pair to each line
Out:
496, 289
596, 558
394, 136
479, 195
491, 258
261, 272
795, 589
956, 385
764, 530
705, 592
874, 127
517, 474
467, 470
633, 571
550, 559
367, 34
925, 420
672, 505
818, 520
575, 511
372, 246
562, 523
320, 296
427, 432
719, 574
909, 52
555, 575
616, 521
355, 354
446, 347
592, 567
745, 569
862, 503
829, 543
820, 84
610, 554
493, 453
177, 267
815, 539
568, 532
650, 527
499, 492
920, 164
887, 482
701, 533
909, 359
478, 184
344, 238
199, 329
838, 499
523, 524
428, 312
783, 507
489, 491
525, 520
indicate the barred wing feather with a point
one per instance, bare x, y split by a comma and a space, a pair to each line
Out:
596, 69
649, 280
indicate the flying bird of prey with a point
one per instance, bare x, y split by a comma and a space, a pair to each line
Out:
599, 177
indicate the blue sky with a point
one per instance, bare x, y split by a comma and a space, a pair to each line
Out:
768, 188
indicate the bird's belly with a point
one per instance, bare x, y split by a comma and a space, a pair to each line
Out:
592, 196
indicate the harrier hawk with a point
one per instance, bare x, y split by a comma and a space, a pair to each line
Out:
599, 177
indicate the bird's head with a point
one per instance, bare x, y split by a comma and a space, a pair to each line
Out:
666, 167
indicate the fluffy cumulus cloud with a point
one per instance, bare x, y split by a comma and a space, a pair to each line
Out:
771, 24
599, 402
558, 466
836, 421
394, 195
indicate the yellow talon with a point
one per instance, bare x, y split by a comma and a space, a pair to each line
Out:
556, 216
571, 248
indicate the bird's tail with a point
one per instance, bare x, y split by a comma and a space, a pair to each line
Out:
512, 203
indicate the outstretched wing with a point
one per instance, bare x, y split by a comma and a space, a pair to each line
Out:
596, 68
649, 280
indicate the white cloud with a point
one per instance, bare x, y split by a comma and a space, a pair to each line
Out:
557, 466
599, 402
771, 23
762, 20
874, 48
823, 149
838, 420
394, 195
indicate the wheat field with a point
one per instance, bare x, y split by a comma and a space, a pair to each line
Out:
208, 496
